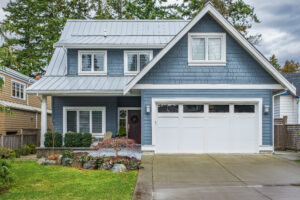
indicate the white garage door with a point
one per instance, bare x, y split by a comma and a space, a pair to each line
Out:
206, 128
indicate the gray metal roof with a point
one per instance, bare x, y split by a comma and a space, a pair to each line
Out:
17, 75
58, 63
80, 85
294, 78
110, 33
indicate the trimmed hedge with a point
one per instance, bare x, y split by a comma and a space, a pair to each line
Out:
49, 141
78, 139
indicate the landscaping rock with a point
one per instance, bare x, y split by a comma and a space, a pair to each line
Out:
118, 168
66, 161
88, 165
50, 162
41, 161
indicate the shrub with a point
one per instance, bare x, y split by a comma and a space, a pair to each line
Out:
32, 148
78, 139
68, 154
86, 140
117, 144
122, 131
7, 153
6, 178
25, 150
84, 158
50, 136
18, 152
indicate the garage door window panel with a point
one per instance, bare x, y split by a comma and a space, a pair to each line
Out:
167, 108
244, 109
193, 108
219, 108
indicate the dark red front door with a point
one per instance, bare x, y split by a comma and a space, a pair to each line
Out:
134, 125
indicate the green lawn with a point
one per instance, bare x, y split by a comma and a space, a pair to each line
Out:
297, 161
58, 182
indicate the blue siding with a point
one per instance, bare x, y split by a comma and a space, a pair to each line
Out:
111, 104
147, 96
241, 68
115, 61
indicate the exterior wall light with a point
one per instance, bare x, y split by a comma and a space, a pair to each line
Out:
266, 109
148, 110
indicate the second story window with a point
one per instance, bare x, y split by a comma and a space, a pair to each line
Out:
17, 90
135, 61
92, 62
207, 49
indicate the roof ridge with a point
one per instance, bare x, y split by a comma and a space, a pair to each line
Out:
127, 20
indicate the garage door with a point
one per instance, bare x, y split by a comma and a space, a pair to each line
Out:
206, 128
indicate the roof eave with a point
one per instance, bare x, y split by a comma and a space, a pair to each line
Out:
109, 46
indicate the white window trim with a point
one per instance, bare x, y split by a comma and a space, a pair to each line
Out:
125, 108
126, 72
77, 109
207, 62
80, 72
24, 92
3, 78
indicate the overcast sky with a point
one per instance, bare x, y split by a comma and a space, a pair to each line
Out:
280, 27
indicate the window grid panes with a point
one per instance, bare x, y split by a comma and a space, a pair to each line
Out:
244, 108
18, 90
167, 108
85, 121
219, 108
136, 61
93, 62
198, 49
214, 49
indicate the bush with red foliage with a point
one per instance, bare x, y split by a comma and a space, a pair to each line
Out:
117, 144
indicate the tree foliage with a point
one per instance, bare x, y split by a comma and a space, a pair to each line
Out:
274, 62
290, 67
237, 12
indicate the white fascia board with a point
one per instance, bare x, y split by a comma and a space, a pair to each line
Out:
209, 86
209, 8
21, 107
109, 46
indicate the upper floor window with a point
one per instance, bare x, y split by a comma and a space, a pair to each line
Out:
92, 62
135, 61
17, 90
2, 79
207, 49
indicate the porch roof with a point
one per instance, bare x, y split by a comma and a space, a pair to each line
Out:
79, 85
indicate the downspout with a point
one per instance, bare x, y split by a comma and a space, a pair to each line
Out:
273, 99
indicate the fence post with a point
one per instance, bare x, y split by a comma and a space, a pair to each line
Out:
21, 137
2, 140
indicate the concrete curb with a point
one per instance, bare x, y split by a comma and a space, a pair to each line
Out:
144, 185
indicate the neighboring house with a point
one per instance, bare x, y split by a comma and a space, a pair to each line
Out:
287, 104
178, 86
26, 109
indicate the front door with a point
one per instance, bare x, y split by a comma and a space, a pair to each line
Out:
134, 125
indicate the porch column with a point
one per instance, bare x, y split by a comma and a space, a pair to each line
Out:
43, 119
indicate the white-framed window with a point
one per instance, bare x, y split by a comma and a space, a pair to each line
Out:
207, 49
135, 61
3, 80
92, 62
85, 120
18, 90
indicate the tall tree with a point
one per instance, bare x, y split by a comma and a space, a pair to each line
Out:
274, 62
110, 9
290, 67
240, 14
34, 25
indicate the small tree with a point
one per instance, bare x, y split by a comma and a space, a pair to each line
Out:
117, 144
290, 67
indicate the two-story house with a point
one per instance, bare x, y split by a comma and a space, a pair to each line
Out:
177, 86
25, 109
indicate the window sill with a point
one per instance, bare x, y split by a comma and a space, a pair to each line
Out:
24, 99
92, 73
218, 64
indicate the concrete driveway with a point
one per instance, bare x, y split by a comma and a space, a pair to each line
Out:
220, 176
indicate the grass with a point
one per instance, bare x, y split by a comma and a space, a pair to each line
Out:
57, 182
297, 161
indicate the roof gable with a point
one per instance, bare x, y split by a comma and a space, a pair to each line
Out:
232, 31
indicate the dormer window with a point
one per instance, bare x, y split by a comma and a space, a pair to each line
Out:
135, 61
92, 62
207, 49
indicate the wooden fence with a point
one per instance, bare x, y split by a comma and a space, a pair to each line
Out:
16, 141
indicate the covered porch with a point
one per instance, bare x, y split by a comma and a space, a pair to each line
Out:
94, 114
